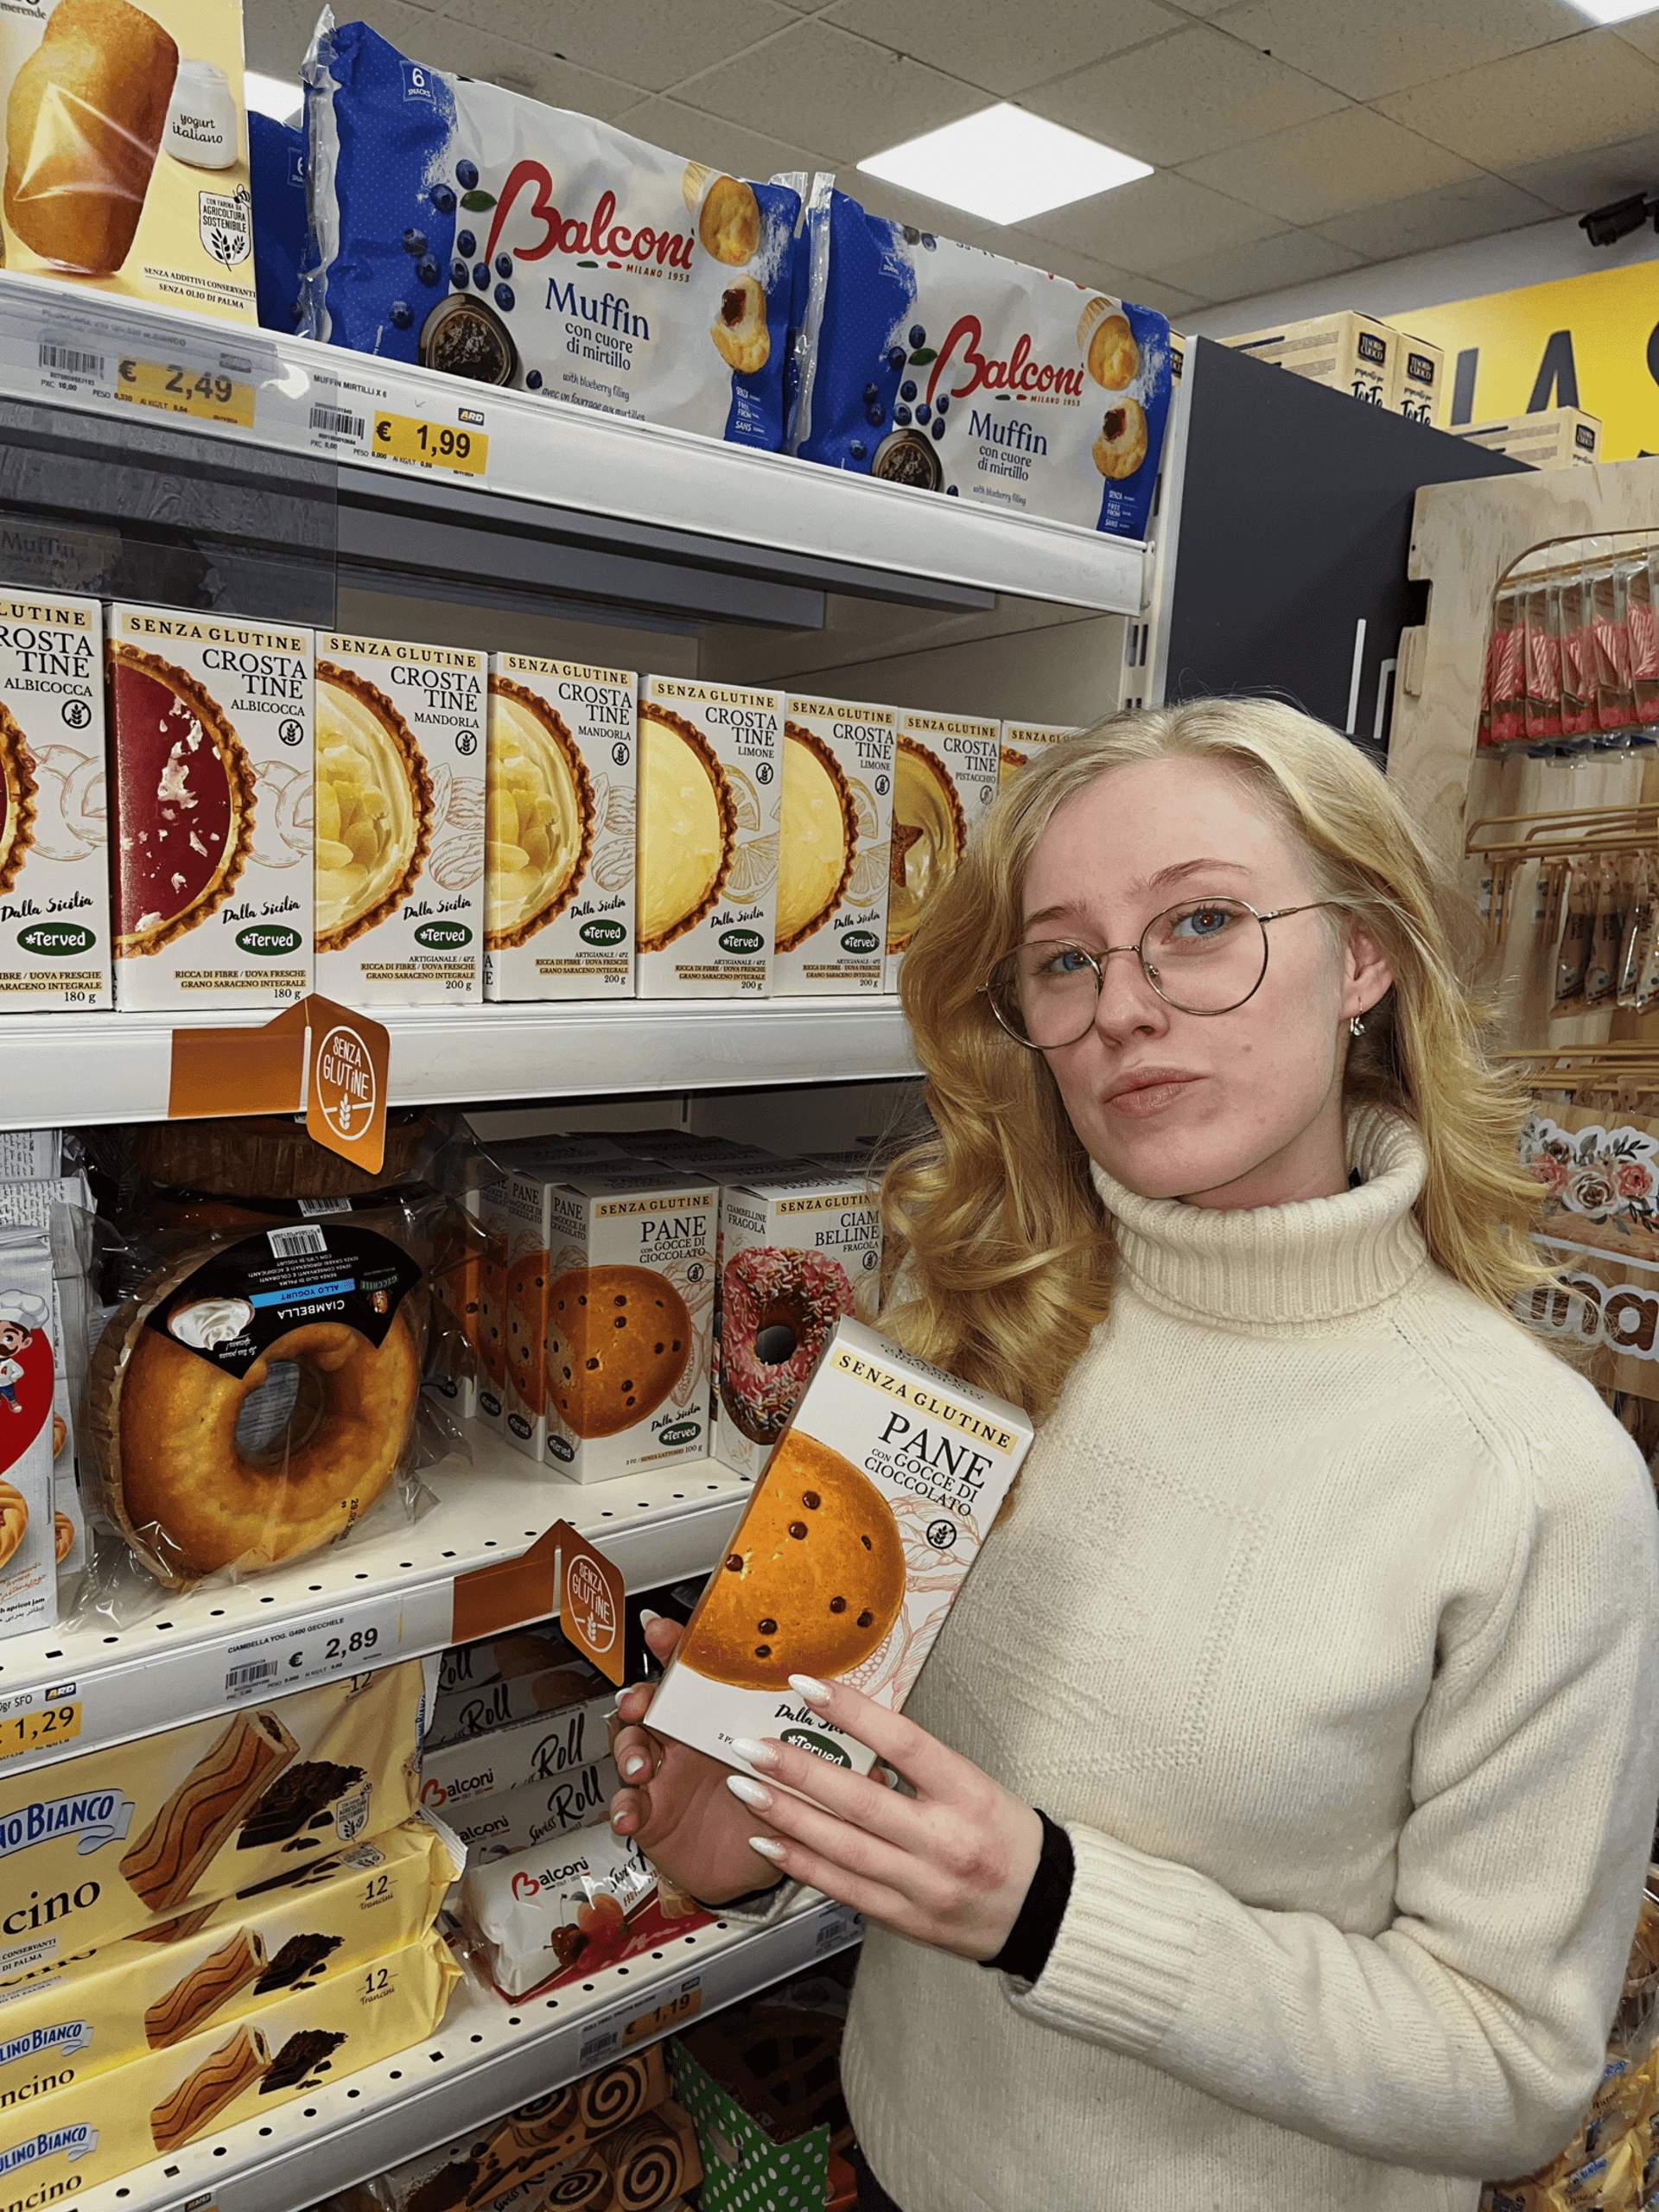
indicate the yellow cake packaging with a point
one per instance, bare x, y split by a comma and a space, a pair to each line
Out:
852, 1550
628, 1311
711, 760
94, 1846
172, 1980
400, 822
55, 874
944, 778
29, 1384
559, 858
210, 738
83, 2133
126, 160
1022, 740
798, 1252
833, 849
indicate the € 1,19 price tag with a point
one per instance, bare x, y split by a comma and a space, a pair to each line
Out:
429, 445
48, 1726
207, 394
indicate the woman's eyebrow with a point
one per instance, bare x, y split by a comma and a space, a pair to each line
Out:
1174, 873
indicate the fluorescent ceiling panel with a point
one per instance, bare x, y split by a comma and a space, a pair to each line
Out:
1004, 165
1612, 11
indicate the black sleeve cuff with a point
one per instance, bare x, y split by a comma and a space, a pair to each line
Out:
1031, 1937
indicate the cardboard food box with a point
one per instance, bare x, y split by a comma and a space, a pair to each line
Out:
27, 1155
559, 873
29, 1387
835, 847
480, 1708
630, 1309
1561, 438
1020, 740
1419, 380
711, 758
851, 1551
944, 778
210, 736
797, 1254
525, 1818
1349, 353
170, 1981
494, 1760
467, 1667
126, 151
83, 2132
400, 822
54, 861
96, 1845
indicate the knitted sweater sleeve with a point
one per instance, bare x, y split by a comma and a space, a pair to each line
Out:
1467, 2036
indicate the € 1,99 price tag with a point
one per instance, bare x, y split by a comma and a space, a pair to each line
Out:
429, 445
206, 393
46, 1727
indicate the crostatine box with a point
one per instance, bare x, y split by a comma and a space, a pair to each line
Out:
834, 850
945, 779
1022, 740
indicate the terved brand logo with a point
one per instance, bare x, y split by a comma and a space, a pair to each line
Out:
860, 941
741, 941
267, 941
101, 1816
601, 932
56, 940
822, 1747
680, 1432
443, 936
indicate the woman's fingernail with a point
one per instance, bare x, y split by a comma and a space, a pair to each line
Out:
767, 1847
749, 1792
637, 1765
753, 1752
808, 1685
621, 1823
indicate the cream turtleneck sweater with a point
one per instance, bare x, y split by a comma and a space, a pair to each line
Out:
1324, 1621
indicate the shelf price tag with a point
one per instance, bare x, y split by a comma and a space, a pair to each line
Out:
620, 2028
429, 445
208, 394
351, 1641
837, 1928
46, 1728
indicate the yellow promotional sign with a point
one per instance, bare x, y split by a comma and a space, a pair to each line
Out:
1590, 342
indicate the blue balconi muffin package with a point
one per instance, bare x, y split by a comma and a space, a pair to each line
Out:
478, 232
938, 366
276, 164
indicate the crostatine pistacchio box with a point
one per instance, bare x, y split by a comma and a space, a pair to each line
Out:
834, 850
944, 780
210, 729
400, 822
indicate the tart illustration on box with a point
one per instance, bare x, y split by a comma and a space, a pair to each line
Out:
17, 795
373, 807
930, 836
688, 825
184, 803
541, 816
819, 838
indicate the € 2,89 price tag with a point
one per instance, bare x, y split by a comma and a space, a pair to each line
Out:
429, 445
47, 1727
206, 393
350, 1642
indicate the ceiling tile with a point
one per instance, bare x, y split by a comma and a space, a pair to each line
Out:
1002, 49
1023, 245
1152, 224
1184, 96
1332, 167
1366, 51
649, 42
278, 32
1573, 182
1593, 90
1269, 265
1477, 208
703, 137
815, 82
1642, 32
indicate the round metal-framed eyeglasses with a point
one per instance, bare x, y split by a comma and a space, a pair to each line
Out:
1204, 955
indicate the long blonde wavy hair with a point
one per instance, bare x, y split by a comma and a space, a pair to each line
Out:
1005, 1250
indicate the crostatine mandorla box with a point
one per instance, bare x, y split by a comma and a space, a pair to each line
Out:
834, 850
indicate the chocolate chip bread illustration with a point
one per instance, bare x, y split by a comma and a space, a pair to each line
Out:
203, 2095
212, 1801
202, 1993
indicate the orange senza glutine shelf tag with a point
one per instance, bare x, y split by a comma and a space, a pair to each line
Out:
590, 1602
315, 1055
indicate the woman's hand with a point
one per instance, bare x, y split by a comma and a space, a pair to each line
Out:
949, 1867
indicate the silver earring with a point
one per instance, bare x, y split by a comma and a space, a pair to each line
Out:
1355, 1025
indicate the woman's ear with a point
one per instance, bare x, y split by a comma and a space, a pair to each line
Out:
1366, 974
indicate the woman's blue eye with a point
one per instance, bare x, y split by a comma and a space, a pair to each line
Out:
1202, 922
1067, 961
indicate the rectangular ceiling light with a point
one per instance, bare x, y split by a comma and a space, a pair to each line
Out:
1004, 165
1612, 11
277, 97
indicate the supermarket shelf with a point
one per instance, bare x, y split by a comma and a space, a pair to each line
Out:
822, 529
81, 1068
390, 1593
487, 2057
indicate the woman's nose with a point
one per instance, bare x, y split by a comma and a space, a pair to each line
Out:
1128, 1001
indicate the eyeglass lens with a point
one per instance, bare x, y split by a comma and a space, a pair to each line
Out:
1205, 955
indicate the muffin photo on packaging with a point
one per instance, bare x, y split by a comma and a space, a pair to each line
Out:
55, 876
852, 1550
210, 738
558, 895
834, 847
400, 822
944, 777
126, 154
1020, 740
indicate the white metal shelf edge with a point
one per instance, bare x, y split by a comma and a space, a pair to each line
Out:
485, 2058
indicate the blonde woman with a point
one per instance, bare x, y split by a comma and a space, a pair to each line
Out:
1278, 1794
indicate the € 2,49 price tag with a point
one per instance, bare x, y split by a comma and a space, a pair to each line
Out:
208, 394
46, 1728
429, 445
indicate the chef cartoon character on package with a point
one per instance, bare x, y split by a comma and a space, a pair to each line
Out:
938, 366
478, 231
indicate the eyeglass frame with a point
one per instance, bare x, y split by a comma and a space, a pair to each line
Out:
1095, 960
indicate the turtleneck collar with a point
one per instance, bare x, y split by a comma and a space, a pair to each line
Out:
1265, 1267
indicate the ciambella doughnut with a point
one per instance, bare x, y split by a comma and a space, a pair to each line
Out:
776, 1301
189, 1499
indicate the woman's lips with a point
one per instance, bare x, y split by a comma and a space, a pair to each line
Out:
1148, 1090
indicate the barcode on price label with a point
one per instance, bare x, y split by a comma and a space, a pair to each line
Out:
243, 1681
620, 2029
323, 1205
837, 1929
295, 1244
70, 360
336, 422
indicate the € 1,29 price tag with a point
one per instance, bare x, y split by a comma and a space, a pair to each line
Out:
208, 394
46, 1727
429, 445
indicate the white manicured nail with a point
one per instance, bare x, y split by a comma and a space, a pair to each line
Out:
749, 1793
765, 1846
637, 1765
809, 1687
753, 1753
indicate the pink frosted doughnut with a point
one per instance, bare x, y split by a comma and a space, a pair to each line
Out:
779, 1302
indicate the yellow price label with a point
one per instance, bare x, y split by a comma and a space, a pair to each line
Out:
51, 1726
206, 393
668, 2014
429, 445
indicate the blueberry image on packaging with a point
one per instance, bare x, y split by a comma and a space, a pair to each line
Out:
458, 275
401, 314
942, 404
533, 380
872, 393
907, 390
922, 411
504, 264
482, 276
901, 415
504, 298
874, 417
414, 243
949, 491
857, 448
917, 335
928, 241
465, 175
427, 269
938, 427
465, 243
896, 358
443, 199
